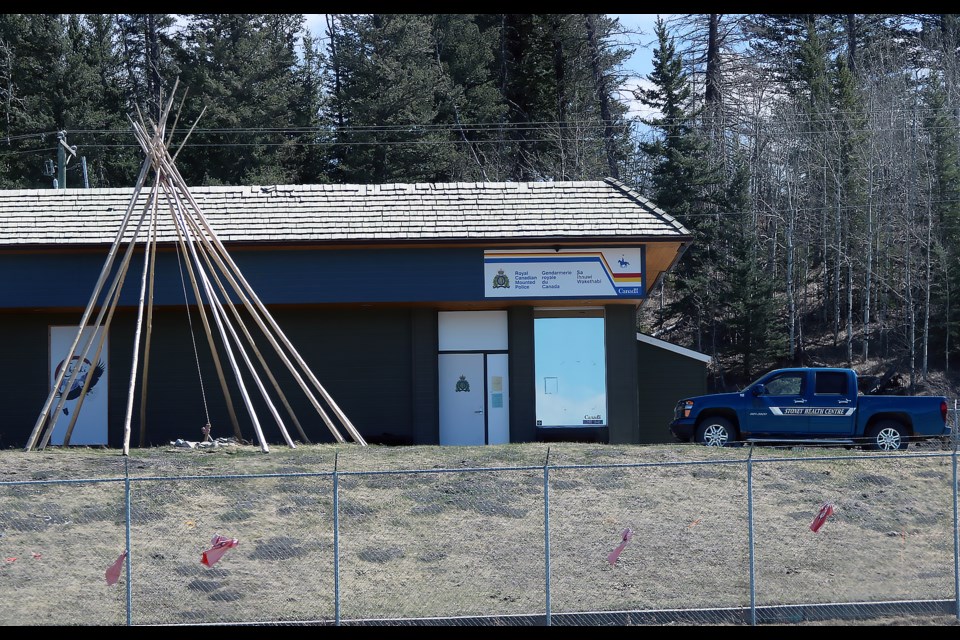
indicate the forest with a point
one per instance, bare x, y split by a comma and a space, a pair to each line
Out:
814, 157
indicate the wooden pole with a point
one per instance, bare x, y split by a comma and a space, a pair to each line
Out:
152, 247
139, 327
223, 252
181, 243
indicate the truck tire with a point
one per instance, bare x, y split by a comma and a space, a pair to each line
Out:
887, 435
716, 432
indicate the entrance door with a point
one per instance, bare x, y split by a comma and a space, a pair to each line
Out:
472, 365
474, 403
462, 399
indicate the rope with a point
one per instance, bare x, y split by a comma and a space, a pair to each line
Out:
196, 355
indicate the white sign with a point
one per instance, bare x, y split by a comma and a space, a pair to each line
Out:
567, 273
91, 424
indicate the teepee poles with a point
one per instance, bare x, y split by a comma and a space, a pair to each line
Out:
111, 255
182, 249
266, 314
210, 237
141, 137
256, 315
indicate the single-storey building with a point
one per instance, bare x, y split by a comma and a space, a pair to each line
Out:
455, 314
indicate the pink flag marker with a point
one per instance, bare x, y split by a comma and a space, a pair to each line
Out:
113, 571
220, 545
825, 512
625, 536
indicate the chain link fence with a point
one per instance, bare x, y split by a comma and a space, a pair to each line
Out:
727, 540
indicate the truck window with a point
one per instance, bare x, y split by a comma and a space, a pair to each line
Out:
786, 384
831, 383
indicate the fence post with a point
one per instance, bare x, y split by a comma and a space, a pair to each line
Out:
546, 531
956, 540
753, 575
336, 540
126, 491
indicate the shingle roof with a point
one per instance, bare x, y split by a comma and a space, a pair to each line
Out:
350, 213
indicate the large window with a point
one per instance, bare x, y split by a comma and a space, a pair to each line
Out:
570, 368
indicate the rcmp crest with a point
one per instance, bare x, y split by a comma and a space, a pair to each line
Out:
462, 384
501, 281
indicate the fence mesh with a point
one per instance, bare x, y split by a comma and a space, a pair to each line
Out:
468, 543
57, 541
677, 548
280, 571
697, 537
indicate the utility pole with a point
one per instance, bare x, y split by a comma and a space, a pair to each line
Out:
62, 150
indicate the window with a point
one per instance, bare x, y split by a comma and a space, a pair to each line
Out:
570, 368
785, 384
831, 383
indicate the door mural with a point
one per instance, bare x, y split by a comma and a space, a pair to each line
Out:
88, 392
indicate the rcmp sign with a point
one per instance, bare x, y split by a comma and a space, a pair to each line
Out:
564, 273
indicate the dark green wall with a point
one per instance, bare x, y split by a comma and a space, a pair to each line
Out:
426, 419
665, 378
379, 365
622, 398
523, 410
362, 358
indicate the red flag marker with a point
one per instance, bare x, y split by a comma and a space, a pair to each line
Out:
113, 571
220, 545
825, 512
625, 536
11, 560
36, 556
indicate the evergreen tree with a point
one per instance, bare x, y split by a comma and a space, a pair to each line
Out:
384, 100
756, 335
240, 70
469, 100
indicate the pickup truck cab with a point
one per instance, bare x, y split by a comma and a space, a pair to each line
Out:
817, 405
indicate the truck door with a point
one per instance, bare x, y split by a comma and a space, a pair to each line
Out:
780, 408
833, 403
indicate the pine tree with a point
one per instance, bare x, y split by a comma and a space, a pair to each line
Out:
384, 100
240, 70
756, 335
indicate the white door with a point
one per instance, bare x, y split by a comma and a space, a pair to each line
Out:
462, 399
472, 365
90, 426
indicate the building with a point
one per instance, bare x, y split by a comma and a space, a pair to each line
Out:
462, 313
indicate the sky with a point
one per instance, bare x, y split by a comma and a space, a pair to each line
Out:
638, 35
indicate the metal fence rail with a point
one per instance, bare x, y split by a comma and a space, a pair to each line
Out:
684, 542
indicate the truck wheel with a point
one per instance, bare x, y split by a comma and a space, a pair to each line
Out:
716, 432
888, 435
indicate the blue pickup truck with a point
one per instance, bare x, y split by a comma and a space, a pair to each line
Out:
810, 405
